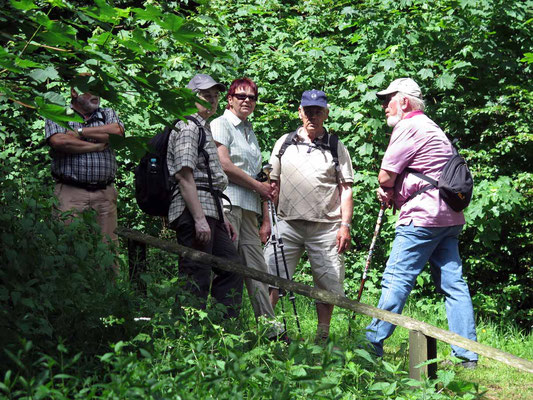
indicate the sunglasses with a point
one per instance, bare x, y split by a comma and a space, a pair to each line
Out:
242, 96
385, 102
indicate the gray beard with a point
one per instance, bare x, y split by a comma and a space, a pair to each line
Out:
392, 121
86, 106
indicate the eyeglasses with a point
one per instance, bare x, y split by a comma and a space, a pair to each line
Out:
243, 96
311, 111
385, 102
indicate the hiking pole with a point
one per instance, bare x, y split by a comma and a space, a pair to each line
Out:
292, 298
371, 251
274, 243
369, 256
279, 242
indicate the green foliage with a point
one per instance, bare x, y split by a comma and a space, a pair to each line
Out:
470, 59
48, 285
473, 61
177, 357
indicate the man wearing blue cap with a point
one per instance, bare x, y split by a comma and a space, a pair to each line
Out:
313, 172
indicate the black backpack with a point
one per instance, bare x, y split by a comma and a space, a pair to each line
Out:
153, 184
328, 142
455, 183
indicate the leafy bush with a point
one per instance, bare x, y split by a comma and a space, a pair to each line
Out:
56, 280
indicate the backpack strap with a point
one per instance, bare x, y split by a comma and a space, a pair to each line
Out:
432, 183
329, 142
333, 148
217, 194
290, 139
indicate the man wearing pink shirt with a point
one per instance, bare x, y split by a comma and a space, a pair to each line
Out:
427, 228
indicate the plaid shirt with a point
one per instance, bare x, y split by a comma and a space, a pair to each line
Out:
94, 167
183, 152
241, 142
308, 181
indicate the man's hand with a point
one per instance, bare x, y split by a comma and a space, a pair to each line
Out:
343, 239
265, 191
275, 190
385, 195
230, 229
101, 146
264, 232
203, 231
72, 133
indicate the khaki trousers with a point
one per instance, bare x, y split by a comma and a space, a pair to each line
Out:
319, 239
249, 247
104, 202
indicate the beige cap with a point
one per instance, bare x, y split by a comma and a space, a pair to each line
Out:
404, 85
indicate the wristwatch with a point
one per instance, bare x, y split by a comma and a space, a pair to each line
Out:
80, 130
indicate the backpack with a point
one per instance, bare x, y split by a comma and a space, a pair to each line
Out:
154, 187
329, 142
455, 183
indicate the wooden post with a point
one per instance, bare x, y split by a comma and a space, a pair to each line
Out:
421, 349
137, 263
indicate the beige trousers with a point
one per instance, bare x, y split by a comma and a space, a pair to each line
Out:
104, 202
249, 247
319, 239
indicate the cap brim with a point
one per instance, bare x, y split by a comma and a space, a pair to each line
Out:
313, 104
384, 93
220, 87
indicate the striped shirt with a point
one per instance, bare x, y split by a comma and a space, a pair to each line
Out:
93, 167
183, 152
240, 140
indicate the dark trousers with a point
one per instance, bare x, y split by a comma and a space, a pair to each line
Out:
226, 287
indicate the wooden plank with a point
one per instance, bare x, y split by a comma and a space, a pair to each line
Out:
421, 349
332, 298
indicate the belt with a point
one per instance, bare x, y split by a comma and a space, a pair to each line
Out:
90, 186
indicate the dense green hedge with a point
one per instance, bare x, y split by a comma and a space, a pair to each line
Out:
470, 58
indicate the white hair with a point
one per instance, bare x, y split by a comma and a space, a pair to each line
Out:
415, 102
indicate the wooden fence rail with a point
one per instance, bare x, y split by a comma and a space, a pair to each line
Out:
331, 298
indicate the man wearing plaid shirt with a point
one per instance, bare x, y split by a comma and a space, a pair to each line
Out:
195, 212
83, 164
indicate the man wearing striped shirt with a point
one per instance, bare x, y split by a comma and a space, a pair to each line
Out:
83, 164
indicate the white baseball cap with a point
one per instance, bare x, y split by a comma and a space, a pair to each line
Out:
404, 85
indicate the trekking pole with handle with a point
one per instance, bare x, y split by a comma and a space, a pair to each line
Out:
369, 256
274, 243
277, 241
371, 251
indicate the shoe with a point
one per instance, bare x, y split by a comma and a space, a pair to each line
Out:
467, 364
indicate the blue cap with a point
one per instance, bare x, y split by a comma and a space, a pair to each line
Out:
314, 98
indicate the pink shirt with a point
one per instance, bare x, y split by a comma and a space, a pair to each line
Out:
418, 143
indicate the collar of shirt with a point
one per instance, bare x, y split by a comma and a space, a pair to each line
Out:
199, 119
94, 115
413, 114
236, 121
303, 137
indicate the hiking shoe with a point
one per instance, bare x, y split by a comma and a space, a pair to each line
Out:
467, 364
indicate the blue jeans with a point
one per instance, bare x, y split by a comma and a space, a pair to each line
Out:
413, 247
